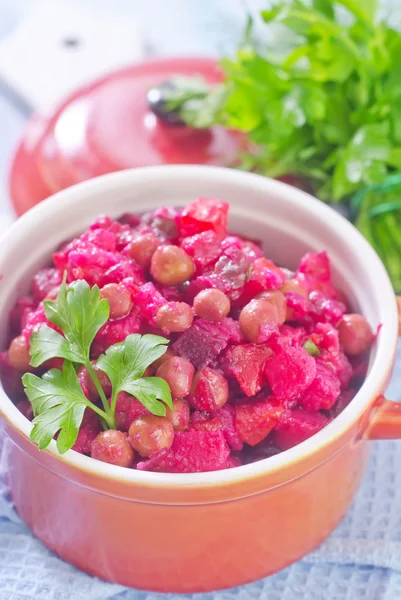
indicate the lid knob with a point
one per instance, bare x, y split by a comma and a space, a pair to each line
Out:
171, 97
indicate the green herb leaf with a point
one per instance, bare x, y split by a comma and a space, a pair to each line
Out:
58, 404
57, 398
311, 348
126, 362
79, 313
149, 390
47, 343
364, 10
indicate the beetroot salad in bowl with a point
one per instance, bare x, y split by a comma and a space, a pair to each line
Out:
165, 342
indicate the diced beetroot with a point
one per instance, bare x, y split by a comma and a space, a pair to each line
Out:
90, 419
122, 270
315, 274
232, 269
84, 383
33, 321
170, 293
323, 391
60, 257
254, 422
209, 390
315, 266
89, 429
53, 363
129, 284
325, 309
202, 343
197, 416
292, 336
202, 215
233, 461
265, 275
226, 416
128, 409
192, 452
232, 241
130, 219
252, 251
249, 248
344, 370
84, 440
102, 238
297, 306
298, 427
325, 336
340, 364
115, 331
123, 238
102, 222
326, 339
206, 424
203, 282
147, 301
254, 398
220, 420
89, 262
246, 363
44, 281
162, 221
231, 330
290, 372
204, 248
19, 312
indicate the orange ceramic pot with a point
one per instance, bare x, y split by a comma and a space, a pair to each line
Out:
205, 531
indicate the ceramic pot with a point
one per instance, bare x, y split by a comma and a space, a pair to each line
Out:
204, 531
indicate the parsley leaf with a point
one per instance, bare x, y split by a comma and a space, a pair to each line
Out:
79, 313
311, 348
148, 390
48, 343
57, 398
58, 404
126, 362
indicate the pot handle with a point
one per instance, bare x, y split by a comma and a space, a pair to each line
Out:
385, 421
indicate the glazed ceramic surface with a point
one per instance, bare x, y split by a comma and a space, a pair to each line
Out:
107, 126
205, 531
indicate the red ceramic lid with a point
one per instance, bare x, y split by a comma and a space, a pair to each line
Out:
107, 126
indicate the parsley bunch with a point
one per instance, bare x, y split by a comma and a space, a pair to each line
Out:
326, 107
57, 398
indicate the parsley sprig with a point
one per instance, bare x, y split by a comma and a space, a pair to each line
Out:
316, 88
57, 398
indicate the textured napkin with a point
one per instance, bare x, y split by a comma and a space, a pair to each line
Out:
361, 560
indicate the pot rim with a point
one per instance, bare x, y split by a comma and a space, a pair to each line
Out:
378, 284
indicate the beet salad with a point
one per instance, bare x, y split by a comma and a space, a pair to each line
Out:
165, 343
